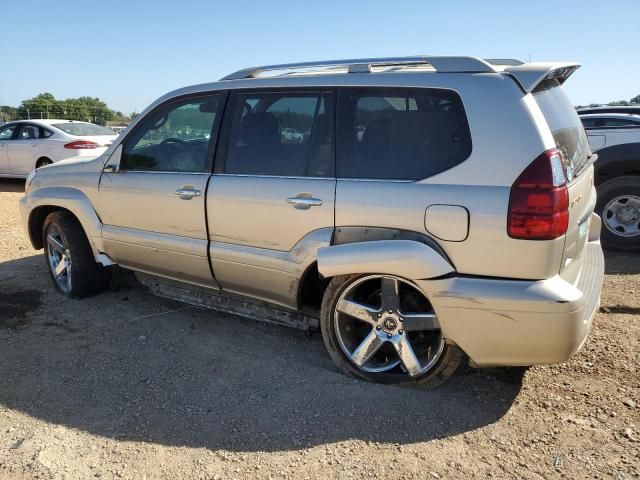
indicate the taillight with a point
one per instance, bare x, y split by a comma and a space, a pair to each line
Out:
539, 203
80, 144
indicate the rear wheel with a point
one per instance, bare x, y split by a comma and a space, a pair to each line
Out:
382, 328
619, 206
69, 258
42, 162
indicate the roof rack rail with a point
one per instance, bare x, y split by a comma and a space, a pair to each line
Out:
364, 65
512, 62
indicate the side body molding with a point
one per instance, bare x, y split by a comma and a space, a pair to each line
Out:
404, 258
43, 199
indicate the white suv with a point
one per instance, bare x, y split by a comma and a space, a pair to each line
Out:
428, 209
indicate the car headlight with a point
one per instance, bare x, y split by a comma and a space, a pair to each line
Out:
30, 178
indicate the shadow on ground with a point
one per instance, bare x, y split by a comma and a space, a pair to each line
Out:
110, 366
619, 263
11, 185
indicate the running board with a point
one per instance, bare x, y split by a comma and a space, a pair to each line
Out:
227, 303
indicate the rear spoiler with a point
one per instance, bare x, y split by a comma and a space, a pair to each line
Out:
530, 75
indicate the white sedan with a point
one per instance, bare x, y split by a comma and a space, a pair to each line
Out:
29, 144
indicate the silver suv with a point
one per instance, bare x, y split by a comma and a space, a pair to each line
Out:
420, 210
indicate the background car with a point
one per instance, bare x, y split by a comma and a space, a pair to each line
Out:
29, 144
118, 130
635, 109
615, 137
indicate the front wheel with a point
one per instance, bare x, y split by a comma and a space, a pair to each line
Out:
619, 206
69, 258
382, 328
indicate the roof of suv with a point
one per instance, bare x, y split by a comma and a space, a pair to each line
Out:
364, 71
528, 75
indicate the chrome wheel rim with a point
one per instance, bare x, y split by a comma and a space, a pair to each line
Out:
622, 216
59, 258
385, 324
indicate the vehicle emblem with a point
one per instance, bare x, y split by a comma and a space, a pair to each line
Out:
576, 201
390, 324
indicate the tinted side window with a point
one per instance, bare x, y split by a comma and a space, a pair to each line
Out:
7, 132
29, 132
620, 122
175, 138
400, 133
565, 126
282, 134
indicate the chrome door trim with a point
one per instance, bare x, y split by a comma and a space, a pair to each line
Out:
304, 202
294, 177
155, 172
187, 194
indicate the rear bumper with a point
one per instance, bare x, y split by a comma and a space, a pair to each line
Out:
513, 322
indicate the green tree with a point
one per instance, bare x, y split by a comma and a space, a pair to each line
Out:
8, 113
45, 105
619, 103
635, 100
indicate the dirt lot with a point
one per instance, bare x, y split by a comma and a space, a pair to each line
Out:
107, 388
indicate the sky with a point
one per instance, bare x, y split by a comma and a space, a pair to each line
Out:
128, 53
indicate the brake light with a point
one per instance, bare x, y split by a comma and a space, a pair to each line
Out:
539, 202
80, 144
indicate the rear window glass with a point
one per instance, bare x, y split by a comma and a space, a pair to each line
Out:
400, 133
83, 129
565, 125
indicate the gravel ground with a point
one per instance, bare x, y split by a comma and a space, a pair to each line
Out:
107, 388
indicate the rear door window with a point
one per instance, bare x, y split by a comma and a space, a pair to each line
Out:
281, 134
83, 129
566, 127
400, 133
29, 132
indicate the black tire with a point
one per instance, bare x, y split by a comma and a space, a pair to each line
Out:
44, 161
87, 276
608, 191
444, 368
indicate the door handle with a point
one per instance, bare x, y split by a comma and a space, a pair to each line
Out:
187, 193
304, 203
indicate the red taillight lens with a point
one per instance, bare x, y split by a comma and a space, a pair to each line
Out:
539, 203
80, 144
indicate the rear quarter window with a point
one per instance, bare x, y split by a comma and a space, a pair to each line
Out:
83, 129
400, 133
565, 125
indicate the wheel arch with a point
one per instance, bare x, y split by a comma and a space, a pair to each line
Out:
311, 287
42, 157
616, 161
409, 259
44, 201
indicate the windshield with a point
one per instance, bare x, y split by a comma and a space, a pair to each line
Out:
82, 129
565, 125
